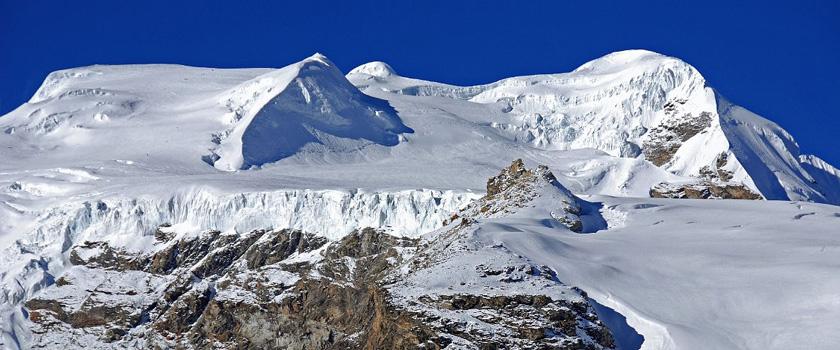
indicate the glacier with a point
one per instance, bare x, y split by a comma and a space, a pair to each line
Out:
131, 223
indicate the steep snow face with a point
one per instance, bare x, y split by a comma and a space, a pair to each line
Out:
625, 104
825, 176
771, 158
308, 104
607, 104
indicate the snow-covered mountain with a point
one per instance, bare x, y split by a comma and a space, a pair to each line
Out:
120, 156
634, 104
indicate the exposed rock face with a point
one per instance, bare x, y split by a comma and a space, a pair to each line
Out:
332, 302
161, 299
718, 173
715, 182
703, 190
546, 316
663, 141
515, 174
292, 290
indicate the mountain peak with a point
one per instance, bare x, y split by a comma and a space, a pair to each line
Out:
308, 104
627, 58
319, 62
633, 55
375, 68
318, 57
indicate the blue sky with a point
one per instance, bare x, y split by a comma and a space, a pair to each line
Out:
779, 59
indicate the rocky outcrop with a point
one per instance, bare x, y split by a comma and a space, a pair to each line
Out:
714, 182
546, 316
662, 142
516, 187
703, 190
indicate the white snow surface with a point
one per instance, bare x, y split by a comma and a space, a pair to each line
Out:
692, 274
111, 152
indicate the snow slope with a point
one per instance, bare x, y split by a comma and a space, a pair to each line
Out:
688, 274
277, 114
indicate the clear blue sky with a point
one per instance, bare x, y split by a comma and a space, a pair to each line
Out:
779, 59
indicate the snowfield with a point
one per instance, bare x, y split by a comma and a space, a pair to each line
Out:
700, 274
112, 153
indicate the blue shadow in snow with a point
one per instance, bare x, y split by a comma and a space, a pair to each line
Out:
320, 104
591, 218
626, 338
